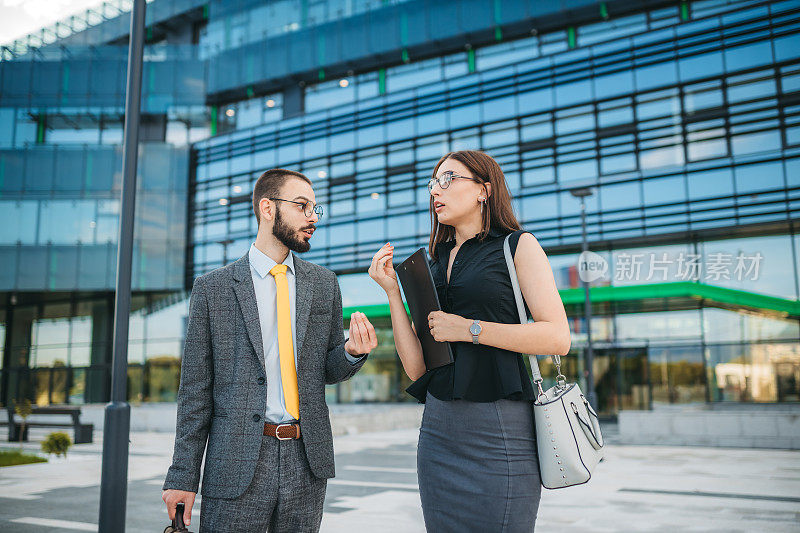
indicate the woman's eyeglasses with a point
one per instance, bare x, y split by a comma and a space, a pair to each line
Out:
308, 207
444, 180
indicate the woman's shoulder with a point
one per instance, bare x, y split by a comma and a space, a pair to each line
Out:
516, 237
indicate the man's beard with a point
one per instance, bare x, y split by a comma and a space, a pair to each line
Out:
288, 236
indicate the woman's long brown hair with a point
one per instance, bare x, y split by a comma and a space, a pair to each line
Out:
498, 213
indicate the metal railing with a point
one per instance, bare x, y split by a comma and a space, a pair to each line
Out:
65, 27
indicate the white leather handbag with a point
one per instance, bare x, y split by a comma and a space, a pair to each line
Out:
568, 434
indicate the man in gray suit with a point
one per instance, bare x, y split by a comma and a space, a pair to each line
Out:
265, 335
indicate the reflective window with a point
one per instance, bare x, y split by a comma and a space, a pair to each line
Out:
414, 74
610, 85
18, 220
700, 66
710, 183
750, 91
620, 196
536, 100
648, 108
506, 53
26, 125
614, 113
759, 177
577, 170
756, 142
702, 96
617, 163
329, 94
661, 157
664, 190
66, 222
6, 127
754, 372
659, 326
658, 75
762, 265
722, 325
572, 121
787, 47
748, 55
706, 140
73, 136
653, 264
539, 207
573, 93
677, 374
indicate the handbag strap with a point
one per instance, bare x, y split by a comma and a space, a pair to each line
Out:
523, 317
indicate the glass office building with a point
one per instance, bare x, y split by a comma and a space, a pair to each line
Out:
683, 118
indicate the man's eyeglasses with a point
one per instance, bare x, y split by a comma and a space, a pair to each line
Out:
444, 180
308, 207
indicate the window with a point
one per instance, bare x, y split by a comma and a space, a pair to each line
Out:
330, 94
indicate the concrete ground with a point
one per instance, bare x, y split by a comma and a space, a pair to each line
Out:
636, 488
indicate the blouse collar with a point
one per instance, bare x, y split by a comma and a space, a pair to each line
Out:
450, 244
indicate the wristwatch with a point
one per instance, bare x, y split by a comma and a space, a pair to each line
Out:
475, 329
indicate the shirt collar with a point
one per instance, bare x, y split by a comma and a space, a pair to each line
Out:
262, 263
494, 232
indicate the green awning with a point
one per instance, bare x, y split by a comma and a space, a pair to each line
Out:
652, 297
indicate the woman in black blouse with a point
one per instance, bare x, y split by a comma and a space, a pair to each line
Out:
476, 458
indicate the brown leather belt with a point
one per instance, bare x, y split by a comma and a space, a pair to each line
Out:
282, 431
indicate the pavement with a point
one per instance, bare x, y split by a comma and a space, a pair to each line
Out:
635, 488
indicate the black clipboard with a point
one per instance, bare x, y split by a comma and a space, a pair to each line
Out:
420, 292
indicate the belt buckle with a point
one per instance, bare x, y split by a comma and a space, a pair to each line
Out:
278, 434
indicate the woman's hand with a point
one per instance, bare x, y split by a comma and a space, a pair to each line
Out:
382, 271
446, 327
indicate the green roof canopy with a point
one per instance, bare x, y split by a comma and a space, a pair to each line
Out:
652, 297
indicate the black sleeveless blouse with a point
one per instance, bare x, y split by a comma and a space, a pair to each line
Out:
479, 288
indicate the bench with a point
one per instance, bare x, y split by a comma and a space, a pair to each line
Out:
82, 432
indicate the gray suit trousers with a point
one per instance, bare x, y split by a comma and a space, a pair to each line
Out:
283, 497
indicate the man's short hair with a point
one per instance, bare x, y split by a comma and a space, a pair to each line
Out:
269, 184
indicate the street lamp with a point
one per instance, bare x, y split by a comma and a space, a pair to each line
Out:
225, 243
581, 193
117, 426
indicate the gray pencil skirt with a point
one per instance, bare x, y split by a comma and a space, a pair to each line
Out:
477, 466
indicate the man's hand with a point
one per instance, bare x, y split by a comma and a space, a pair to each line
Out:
173, 497
362, 335
446, 327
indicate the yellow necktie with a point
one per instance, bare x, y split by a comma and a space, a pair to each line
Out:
285, 345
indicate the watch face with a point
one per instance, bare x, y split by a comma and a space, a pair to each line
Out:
475, 329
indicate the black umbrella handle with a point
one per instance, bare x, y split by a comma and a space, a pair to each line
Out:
177, 523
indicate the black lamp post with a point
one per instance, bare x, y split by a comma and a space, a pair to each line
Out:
116, 430
225, 243
581, 194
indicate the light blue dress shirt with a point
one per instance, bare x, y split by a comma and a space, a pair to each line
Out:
267, 302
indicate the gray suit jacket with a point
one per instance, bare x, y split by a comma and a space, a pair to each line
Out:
222, 395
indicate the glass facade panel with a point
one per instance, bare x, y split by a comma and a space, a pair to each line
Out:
677, 325
761, 264
677, 374
754, 372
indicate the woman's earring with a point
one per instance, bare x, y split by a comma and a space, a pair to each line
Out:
483, 201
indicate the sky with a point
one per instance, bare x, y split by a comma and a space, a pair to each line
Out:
21, 17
